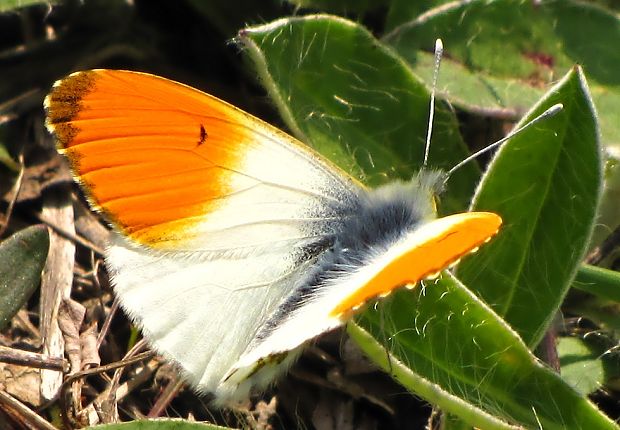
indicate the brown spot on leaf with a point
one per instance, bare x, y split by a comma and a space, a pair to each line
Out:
541, 59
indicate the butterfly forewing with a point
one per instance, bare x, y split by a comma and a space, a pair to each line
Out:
214, 210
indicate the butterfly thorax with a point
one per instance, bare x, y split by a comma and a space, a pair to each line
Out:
387, 213
380, 218
383, 216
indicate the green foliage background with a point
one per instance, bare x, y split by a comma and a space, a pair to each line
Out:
351, 79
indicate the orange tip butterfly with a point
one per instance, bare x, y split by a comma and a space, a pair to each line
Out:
234, 244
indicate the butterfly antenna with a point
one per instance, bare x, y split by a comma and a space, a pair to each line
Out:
546, 114
431, 115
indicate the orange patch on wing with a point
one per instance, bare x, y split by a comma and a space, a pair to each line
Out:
153, 155
462, 234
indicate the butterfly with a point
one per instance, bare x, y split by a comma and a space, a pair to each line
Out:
234, 244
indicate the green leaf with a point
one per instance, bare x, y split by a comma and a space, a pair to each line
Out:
22, 257
581, 364
598, 281
602, 303
511, 48
9, 5
545, 183
609, 212
159, 424
5, 157
401, 11
6, 160
340, 6
444, 344
476, 91
348, 96
360, 105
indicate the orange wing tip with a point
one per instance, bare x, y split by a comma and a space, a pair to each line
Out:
433, 248
64, 103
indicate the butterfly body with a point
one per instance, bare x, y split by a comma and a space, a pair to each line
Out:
233, 244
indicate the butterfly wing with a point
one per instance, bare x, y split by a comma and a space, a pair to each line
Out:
215, 211
419, 254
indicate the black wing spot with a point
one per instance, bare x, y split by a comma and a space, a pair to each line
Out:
203, 135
